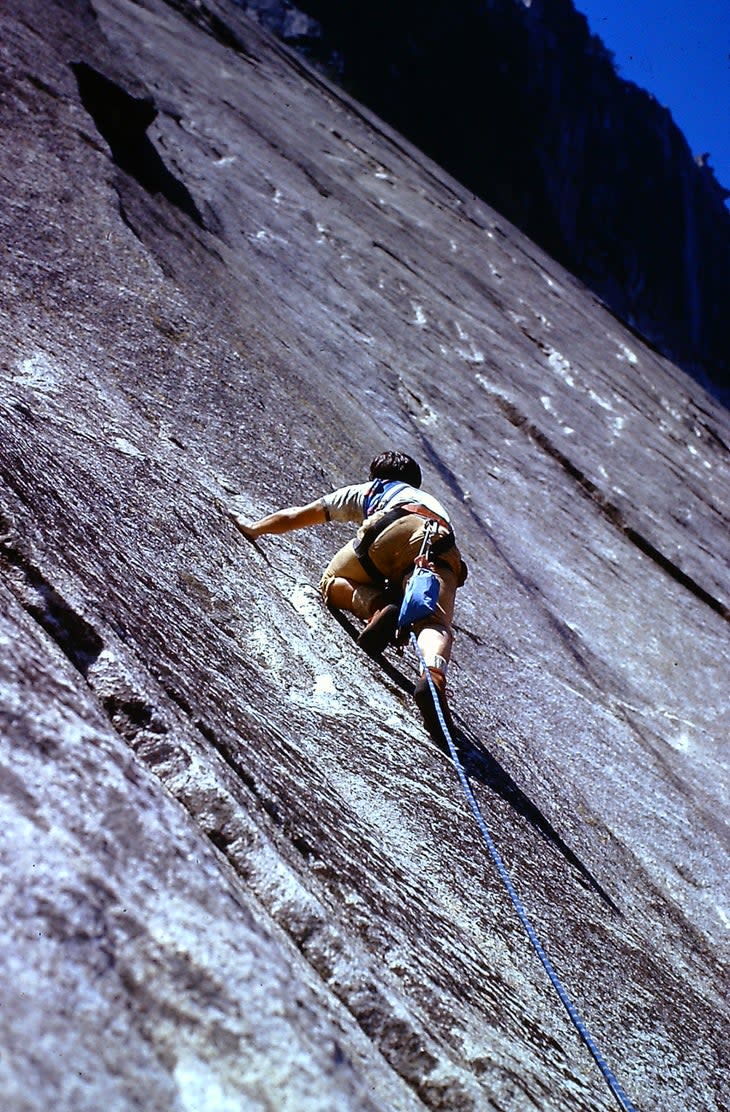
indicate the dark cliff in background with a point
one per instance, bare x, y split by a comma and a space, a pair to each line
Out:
523, 105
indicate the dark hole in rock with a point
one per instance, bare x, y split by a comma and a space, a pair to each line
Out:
123, 121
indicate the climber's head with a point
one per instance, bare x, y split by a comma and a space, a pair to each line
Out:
396, 465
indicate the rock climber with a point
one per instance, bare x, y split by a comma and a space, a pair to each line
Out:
367, 576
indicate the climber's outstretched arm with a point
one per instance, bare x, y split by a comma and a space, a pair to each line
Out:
283, 521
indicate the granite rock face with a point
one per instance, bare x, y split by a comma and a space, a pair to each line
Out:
522, 104
236, 873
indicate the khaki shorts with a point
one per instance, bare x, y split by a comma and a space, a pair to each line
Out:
393, 553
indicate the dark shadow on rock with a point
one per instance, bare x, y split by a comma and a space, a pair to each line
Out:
383, 663
123, 121
480, 765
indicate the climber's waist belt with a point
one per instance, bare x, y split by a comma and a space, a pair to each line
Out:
363, 543
422, 511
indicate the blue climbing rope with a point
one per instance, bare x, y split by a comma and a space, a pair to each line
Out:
567, 1003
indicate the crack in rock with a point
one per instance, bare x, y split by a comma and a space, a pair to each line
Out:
76, 638
609, 509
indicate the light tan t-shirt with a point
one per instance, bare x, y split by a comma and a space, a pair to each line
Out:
352, 503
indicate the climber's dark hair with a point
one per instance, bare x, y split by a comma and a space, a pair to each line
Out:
396, 465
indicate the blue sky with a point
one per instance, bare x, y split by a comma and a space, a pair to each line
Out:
679, 50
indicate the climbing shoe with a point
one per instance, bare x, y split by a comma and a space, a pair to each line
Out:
380, 630
424, 701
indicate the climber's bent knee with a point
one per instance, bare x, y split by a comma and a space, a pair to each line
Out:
340, 593
325, 587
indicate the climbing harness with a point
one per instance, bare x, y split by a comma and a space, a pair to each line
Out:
387, 517
367, 538
567, 1003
